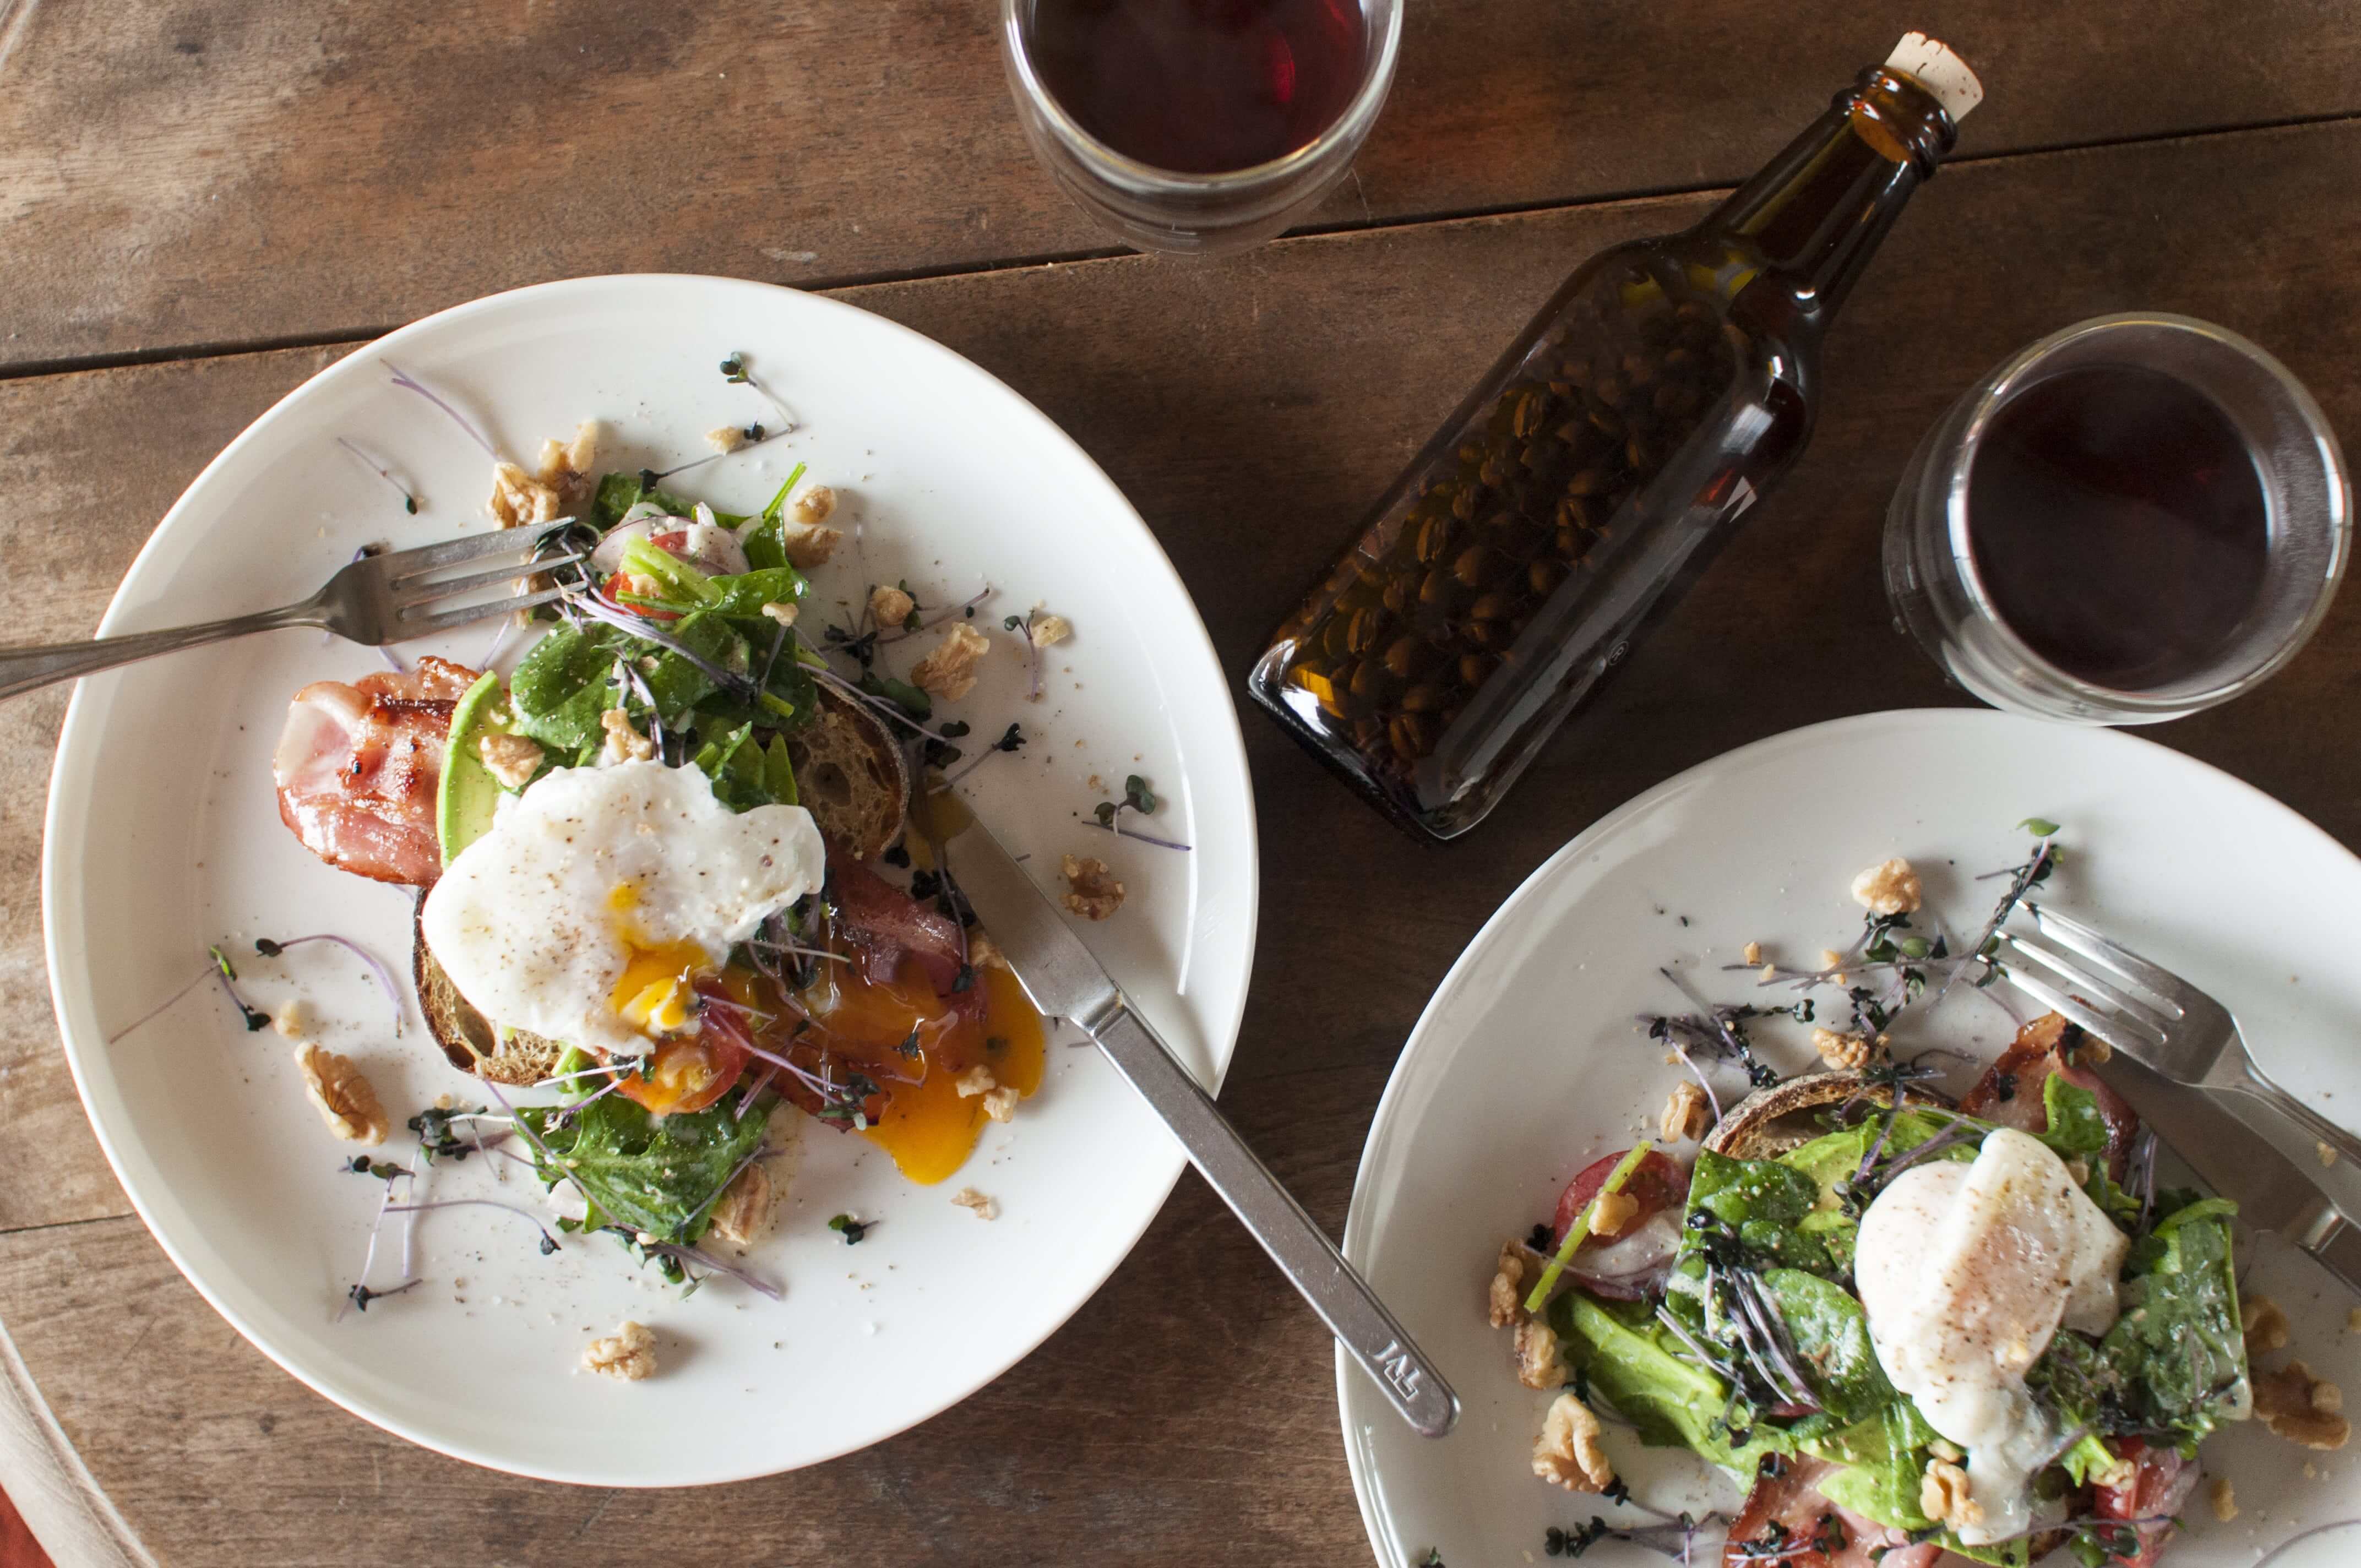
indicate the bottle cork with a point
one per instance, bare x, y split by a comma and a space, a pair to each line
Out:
1931, 63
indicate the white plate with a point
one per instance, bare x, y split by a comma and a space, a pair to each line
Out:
1528, 1063
163, 837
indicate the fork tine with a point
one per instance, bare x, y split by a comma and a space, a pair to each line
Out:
2095, 989
2160, 983
413, 591
408, 565
414, 626
2112, 1028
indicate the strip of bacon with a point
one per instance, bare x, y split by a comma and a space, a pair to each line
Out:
884, 924
357, 767
2010, 1090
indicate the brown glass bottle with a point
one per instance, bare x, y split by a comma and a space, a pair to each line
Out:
1663, 389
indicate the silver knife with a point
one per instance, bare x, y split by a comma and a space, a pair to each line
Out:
2273, 1194
1058, 973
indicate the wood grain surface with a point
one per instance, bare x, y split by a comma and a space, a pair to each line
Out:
312, 173
251, 170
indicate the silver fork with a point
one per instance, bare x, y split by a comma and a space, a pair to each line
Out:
377, 600
2152, 1016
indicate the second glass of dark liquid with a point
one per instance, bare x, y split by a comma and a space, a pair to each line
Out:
2135, 518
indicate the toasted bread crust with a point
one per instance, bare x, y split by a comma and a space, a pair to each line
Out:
852, 778
1770, 1121
469, 1042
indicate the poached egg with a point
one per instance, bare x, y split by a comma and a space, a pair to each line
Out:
599, 896
1966, 1272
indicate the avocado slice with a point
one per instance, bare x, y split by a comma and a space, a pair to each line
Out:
468, 796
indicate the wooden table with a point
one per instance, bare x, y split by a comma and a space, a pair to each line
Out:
201, 205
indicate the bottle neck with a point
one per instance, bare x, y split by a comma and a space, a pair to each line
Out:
1816, 213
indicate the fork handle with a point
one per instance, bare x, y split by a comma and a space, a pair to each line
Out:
27, 669
2236, 1073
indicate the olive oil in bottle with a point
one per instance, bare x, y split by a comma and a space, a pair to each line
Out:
1663, 389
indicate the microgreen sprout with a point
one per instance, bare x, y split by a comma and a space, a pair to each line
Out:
851, 1229
548, 1242
1010, 740
402, 378
912, 625
270, 949
734, 371
408, 501
1137, 797
255, 1017
862, 696
1023, 626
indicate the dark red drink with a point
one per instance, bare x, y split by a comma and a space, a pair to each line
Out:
1201, 86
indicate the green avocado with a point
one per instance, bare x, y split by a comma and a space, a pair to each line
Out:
469, 794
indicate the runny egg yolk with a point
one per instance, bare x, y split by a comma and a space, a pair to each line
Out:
656, 994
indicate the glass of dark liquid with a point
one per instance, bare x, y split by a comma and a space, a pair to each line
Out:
1198, 126
2133, 519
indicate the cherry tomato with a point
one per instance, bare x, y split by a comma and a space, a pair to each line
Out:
1654, 1183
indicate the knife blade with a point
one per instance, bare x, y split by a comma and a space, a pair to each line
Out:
1064, 981
2273, 1194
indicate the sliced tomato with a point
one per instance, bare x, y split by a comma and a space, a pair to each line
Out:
2160, 1483
1630, 1266
1788, 1521
1655, 1183
689, 1072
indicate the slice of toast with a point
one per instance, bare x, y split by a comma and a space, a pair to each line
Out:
1770, 1121
851, 776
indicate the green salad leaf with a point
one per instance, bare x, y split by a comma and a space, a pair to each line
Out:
1830, 1333
765, 542
1765, 1202
1628, 1358
651, 1175
563, 684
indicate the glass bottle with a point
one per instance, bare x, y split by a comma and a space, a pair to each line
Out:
1667, 384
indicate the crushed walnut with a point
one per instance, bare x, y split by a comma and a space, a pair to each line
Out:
1048, 630
1567, 1454
810, 547
1504, 1299
726, 438
892, 607
2225, 1498
1611, 1212
2265, 1324
982, 952
816, 506
1687, 1114
292, 1019
1843, 1049
2326, 1151
744, 1209
949, 672
559, 486
624, 744
346, 1099
1888, 888
975, 1203
2353, 1321
1537, 1365
999, 1101
627, 1356
511, 759
1000, 1105
1943, 1496
784, 614
1091, 891
1752, 954
2300, 1408
1830, 960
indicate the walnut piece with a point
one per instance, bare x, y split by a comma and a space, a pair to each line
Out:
809, 547
1686, 1113
949, 672
1048, 630
2300, 1408
982, 952
346, 1099
892, 607
1943, 1496
511, 759
559, 486
1567, 1454
627, 1356
784, 614
2225, 1498
1841, 1049
1091, 891
1611, 1212
2326, 1151
1505, 1298
725, 438
1888, 888
624, 744
816, 505
2266, 1325
292, 1019
1538, 1365
1000, 1104
975, 1080
1752, 954
975, 1203
744, 1209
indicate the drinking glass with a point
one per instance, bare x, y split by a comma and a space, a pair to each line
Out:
1194, 214
1941, 599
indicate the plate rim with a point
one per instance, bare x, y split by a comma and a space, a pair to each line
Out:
1357, 1220
65, 819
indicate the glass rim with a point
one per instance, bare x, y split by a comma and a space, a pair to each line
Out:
1147, 178
2013, 377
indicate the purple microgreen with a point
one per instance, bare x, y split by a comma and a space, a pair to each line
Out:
1023, 626
255, 1017
195, 981
888, 709
1705, 1356
548, 1242
408, 501
734, 371
851, 1229
742, 687
587, 1100
270, 949
1697, 1072
360, 1294
402, 378
747, 1097
1010, 739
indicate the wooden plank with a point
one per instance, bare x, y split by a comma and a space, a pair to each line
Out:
1249, 407
1192, 1401
248, 171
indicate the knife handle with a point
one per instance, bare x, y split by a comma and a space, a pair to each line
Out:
1295, 1242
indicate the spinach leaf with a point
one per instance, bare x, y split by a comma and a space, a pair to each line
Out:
2076, 1129
1628, 1358
678, 686
745, 593
1885, 1463
745, 773
1831, 1334
617, 494
562, 686
2178, 1349
765, 542
1763, 1202
651, 1174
